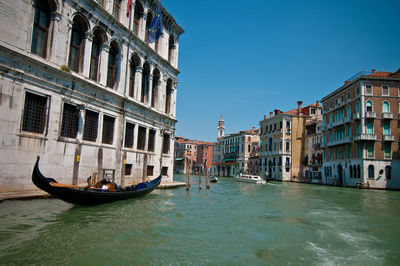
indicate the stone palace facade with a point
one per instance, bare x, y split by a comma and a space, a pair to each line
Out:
83, 88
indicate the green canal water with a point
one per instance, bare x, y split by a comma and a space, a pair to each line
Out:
230, 224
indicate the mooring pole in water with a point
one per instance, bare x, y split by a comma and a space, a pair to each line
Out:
206, 175
199, 177
187, 174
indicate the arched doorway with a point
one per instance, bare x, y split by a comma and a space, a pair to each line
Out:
340, 175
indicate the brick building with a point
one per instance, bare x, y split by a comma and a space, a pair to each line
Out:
361, 131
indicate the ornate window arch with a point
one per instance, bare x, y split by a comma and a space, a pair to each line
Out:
385, 107
155, 88
77, 43
168, 97
145, 82
171, 49
42, 25
99, 38
134, 64
137, 17
369, 106
113, 64
371, 171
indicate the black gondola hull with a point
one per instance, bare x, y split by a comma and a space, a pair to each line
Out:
89, 196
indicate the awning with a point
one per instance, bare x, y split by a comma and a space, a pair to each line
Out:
178, 159
229, 160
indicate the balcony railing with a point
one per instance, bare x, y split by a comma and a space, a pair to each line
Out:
364, 137
356, 116
388, 138
387, 115
370, 114
339, 141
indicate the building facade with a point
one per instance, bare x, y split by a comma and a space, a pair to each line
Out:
83, 88
361, 132
282, 142
232, 152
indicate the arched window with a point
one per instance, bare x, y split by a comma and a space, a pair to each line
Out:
171, 49
358, 171
137, 17
77, 45
148, 22
168, 97
354, 171
135, 62
385, 107
270, 144
351, 171
41, 25
98, 40
348, 111
388, 172
371, 171
145, 83
369, 106
154, 89
112, 65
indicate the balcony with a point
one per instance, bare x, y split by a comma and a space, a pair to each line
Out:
388, 138
387, 115
360, 137
356, 116
370, 114
339, 141
340, 122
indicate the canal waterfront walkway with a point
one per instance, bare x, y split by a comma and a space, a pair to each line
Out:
33, 194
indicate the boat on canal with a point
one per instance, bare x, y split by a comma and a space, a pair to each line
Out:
103, 192
213, 179
250, 179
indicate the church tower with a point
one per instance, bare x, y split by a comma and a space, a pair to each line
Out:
221, 128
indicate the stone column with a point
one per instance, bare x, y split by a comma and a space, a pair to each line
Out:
173, 99
121, 71
87, 54
103, 64
54, 55
138, 83
142, 26
149, 89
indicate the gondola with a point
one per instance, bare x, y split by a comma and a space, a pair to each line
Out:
90, 195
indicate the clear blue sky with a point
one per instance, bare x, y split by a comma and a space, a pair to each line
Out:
244, 59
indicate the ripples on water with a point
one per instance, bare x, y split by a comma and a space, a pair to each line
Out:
232, 223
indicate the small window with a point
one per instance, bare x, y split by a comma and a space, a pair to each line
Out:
164, 171
388, 151
348, 96
70, 120
385, 90
128, 169
370, 149
369, 106
129, 133
91, 125
108, 129
371, 171
150, 170
368, 89
41, 24
35, 113
358, 90
312, 111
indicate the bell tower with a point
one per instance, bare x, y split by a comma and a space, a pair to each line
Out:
221, 128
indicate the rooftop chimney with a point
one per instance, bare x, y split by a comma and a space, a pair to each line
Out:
373, 71
265, 117
270, 114
299, 103
317, 104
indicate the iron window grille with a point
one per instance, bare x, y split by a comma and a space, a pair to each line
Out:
164, 170
35, 113
150, 170
70, 120
128, 169
129, 132
152, 137
108, 129
141, 138
91, 126
166, 144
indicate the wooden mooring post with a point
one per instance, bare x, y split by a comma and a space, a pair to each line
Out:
199, 169
187, 174
206, 175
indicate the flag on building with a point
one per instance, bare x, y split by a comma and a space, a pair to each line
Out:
128, 9
155, 29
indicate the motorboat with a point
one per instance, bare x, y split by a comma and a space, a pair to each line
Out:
250, 179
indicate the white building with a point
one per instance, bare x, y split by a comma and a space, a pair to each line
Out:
82, 87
